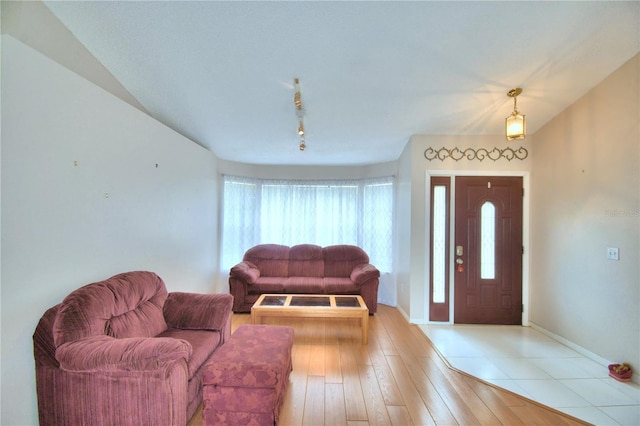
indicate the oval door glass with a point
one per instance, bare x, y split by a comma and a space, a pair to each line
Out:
488, 241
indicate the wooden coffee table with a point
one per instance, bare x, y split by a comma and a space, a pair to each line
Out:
314, 306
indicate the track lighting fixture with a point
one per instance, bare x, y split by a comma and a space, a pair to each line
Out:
297, 101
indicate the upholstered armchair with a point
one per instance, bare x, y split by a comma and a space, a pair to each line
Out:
125, 352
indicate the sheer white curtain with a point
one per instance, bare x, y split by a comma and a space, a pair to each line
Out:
259, 211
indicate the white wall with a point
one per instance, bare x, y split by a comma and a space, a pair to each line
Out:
65, 225
307, 172
35, 25
403, 234
585, 198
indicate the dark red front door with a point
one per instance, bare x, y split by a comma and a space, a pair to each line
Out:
488, 250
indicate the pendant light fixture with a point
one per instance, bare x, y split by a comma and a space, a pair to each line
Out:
516, 127
297, 101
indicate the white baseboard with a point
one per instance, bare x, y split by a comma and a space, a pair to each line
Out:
587, 353
403, 313
582, 351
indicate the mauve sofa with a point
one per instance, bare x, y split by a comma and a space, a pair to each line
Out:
303, 269
125, 352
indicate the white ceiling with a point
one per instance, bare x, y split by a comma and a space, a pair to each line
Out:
371, 73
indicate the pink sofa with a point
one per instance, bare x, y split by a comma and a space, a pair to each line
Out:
125, 352
306, 269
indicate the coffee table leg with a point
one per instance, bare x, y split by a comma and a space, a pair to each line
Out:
365, 327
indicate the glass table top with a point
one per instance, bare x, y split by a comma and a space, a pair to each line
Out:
315, 301
273, 300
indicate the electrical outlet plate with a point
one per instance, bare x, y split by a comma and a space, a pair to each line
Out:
612, 253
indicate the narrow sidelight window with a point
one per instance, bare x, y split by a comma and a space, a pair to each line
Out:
439, 249
439, 246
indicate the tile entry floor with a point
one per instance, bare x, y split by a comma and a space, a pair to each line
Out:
526, 361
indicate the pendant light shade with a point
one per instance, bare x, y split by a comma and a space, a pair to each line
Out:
515, 123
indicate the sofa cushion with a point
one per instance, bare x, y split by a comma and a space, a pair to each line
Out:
144, 321
125, 305
340, 260
304, 285
271, 259
268, 285
203, 343
193, 311
306, 260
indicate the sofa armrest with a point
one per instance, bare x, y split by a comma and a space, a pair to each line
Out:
193, 311
108, 354
363, 273
246, 271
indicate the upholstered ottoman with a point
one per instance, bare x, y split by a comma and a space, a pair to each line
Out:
246, 379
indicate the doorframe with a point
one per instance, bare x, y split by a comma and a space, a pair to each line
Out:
526, 182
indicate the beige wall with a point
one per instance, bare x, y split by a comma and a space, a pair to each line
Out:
586, 198
584, 174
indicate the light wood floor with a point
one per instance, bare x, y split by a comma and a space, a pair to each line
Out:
397, 379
